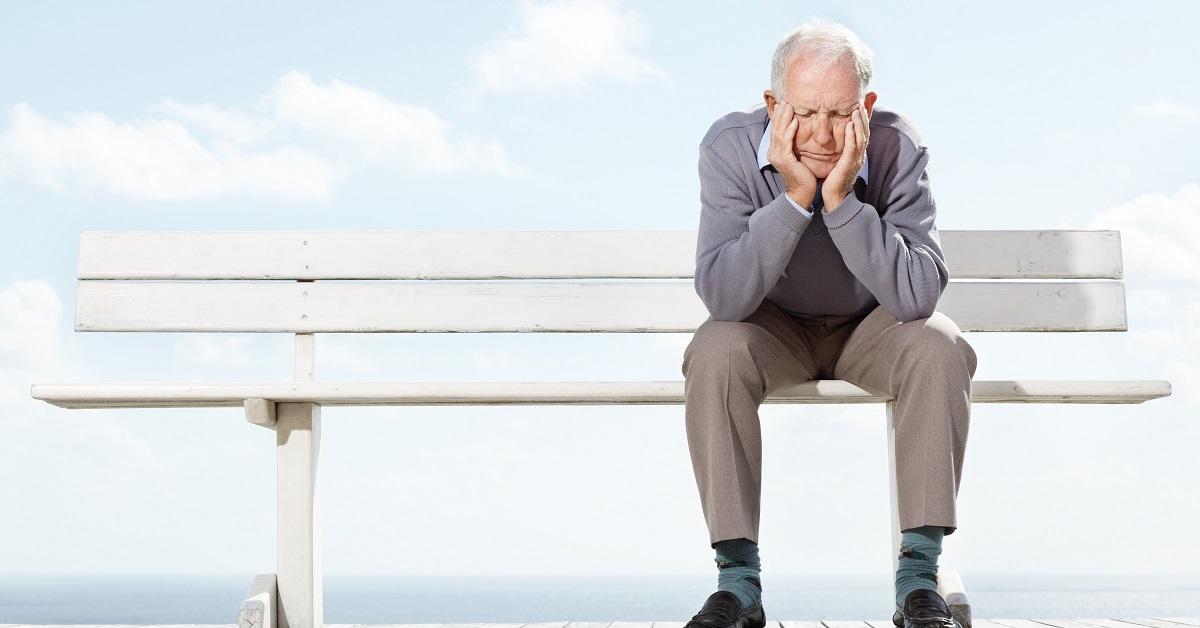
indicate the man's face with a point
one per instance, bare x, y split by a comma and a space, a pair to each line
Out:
823, 99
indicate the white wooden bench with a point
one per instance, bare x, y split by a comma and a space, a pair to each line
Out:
512, 281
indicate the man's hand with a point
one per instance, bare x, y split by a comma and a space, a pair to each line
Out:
798, 180
840, 182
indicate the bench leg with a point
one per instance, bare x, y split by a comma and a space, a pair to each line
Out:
298, 553
950, 585
892, 486
258, 607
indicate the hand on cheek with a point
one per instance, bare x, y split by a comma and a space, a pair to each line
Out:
840, 182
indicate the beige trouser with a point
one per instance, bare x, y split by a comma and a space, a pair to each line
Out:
729, 367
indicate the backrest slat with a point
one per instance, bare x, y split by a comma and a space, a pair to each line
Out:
529, 306
317, 255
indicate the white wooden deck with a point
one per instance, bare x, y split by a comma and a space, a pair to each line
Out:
1160, 622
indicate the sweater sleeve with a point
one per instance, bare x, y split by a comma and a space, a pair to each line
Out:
807, 213
741, 250
898, 256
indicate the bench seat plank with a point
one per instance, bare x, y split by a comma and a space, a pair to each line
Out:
530, 306
175, 395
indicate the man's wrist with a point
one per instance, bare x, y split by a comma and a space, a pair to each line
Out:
835, 200
801, 198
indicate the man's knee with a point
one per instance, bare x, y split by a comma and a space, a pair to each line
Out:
938, 338
716, 342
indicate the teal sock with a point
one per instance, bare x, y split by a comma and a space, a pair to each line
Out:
737, 560
919, 551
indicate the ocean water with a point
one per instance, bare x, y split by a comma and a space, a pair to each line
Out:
174, 599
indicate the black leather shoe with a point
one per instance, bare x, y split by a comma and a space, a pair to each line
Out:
723, 610
924, 608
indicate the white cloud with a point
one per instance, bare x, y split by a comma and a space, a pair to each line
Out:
154, 159
565, 43
1158, 235
29, 316
32, 351
31, 347
236, 126
1166, 109
1162, 269
297, 142
409, 137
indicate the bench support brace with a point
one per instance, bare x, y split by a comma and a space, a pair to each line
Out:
260, 412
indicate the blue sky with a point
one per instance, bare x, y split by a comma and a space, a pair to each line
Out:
571, 115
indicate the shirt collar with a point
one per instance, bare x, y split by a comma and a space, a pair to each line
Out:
765, 145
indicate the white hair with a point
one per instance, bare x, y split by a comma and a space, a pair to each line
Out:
827, 42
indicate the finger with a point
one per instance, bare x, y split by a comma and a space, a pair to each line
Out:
860, 134
789, 138
781, 143
848, 148
866, 123
783, 116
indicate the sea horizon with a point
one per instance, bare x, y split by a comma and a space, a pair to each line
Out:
406, 599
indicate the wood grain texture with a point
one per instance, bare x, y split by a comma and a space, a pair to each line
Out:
531, 254
530, 306
193, 394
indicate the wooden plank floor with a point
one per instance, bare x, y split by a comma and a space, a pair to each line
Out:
1159, 622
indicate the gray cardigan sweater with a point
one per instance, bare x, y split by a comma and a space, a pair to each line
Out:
878, 247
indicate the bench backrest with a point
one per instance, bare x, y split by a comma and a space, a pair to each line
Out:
531, 281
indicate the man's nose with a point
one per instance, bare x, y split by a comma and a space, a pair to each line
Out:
823, 131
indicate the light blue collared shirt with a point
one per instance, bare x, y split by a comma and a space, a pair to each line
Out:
763, 162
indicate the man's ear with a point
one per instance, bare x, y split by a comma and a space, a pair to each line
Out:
769, 98
869, 102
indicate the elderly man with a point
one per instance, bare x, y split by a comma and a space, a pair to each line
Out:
819, 258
